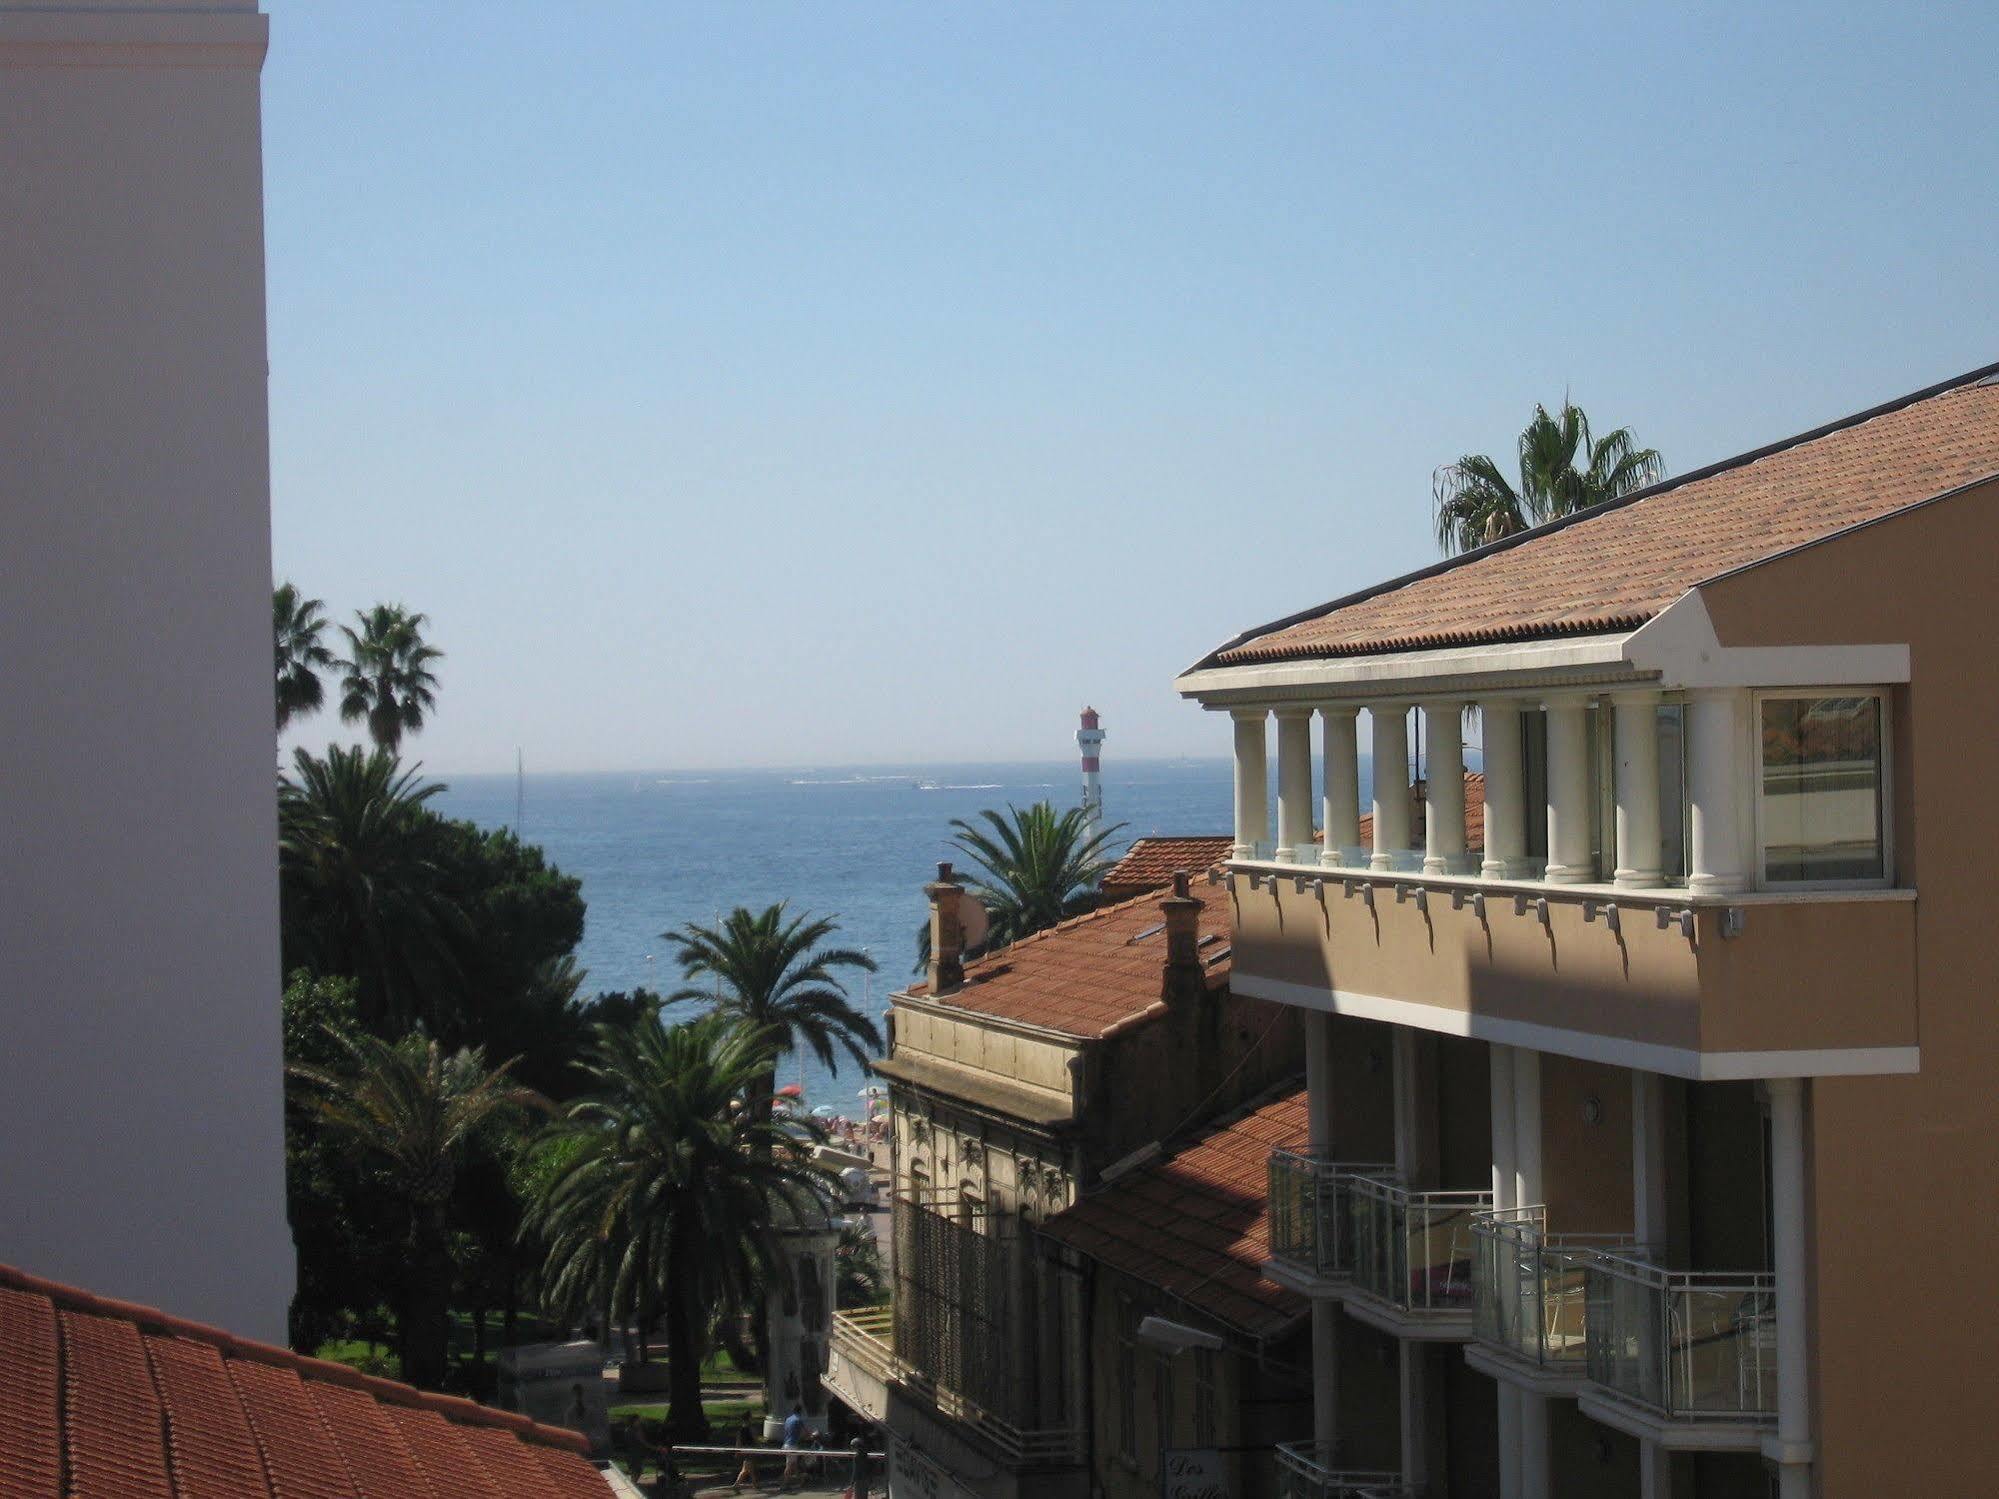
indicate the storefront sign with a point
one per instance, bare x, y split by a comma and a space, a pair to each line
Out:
1194, 1473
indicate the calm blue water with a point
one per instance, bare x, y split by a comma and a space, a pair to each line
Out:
655, 851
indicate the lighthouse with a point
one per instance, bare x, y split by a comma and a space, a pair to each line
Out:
1090, 740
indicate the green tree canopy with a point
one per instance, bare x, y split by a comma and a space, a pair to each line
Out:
414, 1110
1563, 469
297, 624
1031, 868
388, 681
660, 1182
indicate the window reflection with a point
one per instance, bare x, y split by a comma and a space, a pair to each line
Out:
1822, 789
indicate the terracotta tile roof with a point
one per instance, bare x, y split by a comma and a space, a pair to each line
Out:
139, 1405
1615, 567
1093, 974
1474, 816
1196, 1223
1149, 863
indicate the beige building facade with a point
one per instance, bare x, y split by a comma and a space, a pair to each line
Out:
1691, 1063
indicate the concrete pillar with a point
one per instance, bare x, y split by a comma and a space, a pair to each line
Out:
1637, 754
1408, 1091
1501, 1069
1528, 1190
1252, 781
1568, 792
1535, 1482
1342, 810
1326, 1317
1714, 792
1505, 790
1415, 1383
1788, 1240
1319, 1079
1648, 1162
1391, 782
1444, 816
1294, 782
1655, 1471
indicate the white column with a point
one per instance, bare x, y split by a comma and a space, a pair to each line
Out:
1319, 1079
1444, 811
1415, 1415
1568, 792
1655, 1471
1252, 782
1391, 782
1342, 809
1528, 1189
1294, 782
1788, 1230
1505, 790
1648, 1162
1534, 1476
1408, 1145
1326, 1315
1637, 750
1714, 778
1501, 1067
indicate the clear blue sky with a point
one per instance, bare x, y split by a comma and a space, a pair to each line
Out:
816, 384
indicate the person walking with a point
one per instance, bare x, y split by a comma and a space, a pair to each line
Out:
794, 1436
746, 1438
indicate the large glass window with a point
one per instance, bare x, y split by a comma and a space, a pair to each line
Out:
1822, 772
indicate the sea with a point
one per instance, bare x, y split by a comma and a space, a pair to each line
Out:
655, 851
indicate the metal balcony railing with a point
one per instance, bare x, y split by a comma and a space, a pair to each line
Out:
865, 1338
1413, 1249
1311, 1221
1686, 1345
1305, 1470
1530, 1287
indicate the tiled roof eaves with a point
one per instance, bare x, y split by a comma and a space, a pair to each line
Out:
1238, 645
151, 1320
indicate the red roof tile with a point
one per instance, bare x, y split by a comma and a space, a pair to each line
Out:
1150, 863
149, 1406
1094, 973
1196, 1223
1615, 567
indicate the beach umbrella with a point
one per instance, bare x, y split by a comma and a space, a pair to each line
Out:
791, 1090
873, 1090
824, 1111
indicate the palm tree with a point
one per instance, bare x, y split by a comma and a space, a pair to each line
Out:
416, 1110
297, 624
359, 894
1035, 867
1563, 469
769, 973
388, 679
665, 1184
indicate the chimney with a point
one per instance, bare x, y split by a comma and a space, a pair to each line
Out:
1184, 979
947, 932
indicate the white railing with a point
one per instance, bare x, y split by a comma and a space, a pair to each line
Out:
1310, 1220
1531, 1287
1413, 1249
1685, 1344
1305, 1470
863, 1338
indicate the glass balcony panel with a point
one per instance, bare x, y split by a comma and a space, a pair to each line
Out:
1531, 1289
1310, 1224
1414, 1249
1687, 1344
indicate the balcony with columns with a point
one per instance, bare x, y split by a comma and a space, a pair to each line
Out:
1682, 877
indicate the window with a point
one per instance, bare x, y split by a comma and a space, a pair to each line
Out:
1127, 1379
1822, 771
1204, 1397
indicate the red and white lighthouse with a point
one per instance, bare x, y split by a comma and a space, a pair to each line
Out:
1090, 740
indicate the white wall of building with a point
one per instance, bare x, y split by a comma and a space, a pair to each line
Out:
141, 1144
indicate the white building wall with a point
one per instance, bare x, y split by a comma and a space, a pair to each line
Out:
141, 1144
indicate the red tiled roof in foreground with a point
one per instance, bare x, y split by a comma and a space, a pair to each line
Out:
1089, 975
129, 1402
1615, 567
1150, 863
1196, 1224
